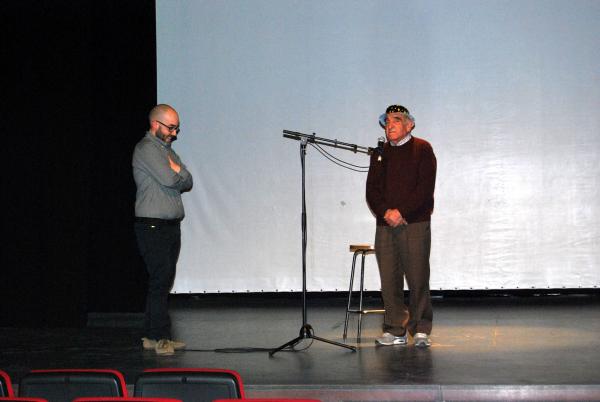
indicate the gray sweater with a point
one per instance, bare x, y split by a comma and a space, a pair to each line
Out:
159, 188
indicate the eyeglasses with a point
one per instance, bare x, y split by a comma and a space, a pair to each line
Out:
170, 128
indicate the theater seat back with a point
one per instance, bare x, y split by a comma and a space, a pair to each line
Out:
67, 385
189, 385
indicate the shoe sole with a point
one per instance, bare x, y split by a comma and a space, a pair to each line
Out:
391, 344
165, 353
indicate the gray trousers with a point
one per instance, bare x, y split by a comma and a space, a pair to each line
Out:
402, 252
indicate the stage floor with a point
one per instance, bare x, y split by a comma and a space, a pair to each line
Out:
486, 348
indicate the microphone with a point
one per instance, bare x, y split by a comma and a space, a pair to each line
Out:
380, 143
173, 137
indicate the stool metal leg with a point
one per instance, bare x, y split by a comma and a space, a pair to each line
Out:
350, 294
360, 297
360, 310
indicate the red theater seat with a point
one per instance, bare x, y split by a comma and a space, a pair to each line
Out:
123, 399
190, 384
19, 399
6, 388
268, 400
64, 385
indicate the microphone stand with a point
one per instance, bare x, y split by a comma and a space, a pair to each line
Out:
306, 331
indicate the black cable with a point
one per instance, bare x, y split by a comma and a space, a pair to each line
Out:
230, 350
290, 348
344, 164
333, 161
338, 159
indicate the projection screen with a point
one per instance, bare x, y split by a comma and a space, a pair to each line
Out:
507, 93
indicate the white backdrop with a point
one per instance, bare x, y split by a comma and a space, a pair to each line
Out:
507, 92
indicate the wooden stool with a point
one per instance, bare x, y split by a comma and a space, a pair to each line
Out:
362, 250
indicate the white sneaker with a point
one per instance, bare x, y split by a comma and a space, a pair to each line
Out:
422, 340
388, 339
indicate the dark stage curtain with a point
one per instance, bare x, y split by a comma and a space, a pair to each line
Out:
81, 79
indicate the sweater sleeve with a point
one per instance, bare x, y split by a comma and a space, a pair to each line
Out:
423, 193
375, 186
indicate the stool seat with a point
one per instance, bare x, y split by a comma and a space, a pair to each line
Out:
361, 247
362, 250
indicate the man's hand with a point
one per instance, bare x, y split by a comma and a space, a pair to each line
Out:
176, 168
394, 218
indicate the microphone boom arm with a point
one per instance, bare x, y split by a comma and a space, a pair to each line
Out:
326, 141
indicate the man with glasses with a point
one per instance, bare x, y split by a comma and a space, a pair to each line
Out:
400, 189
160, 177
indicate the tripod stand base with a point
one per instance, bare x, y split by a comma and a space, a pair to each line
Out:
307, 332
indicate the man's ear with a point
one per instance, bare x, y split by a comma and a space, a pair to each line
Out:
153, 126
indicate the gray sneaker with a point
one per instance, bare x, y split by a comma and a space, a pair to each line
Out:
422, 340
388, 339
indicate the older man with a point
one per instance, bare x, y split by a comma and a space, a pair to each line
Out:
160, 177
399, 191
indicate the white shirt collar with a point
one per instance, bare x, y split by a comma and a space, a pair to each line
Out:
402, 141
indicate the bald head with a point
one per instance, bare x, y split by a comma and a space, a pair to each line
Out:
164, 122
159, 111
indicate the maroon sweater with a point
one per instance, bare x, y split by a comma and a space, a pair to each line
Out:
404, 179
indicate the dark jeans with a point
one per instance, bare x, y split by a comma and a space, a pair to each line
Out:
402, 252
159, 246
